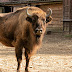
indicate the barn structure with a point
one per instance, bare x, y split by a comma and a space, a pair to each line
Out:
56, 6
67, 16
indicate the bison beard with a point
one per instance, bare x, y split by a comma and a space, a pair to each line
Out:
24, 28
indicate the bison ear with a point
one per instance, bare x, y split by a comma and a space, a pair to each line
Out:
48, 19
29, 19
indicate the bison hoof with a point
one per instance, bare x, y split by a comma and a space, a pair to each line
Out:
26, 70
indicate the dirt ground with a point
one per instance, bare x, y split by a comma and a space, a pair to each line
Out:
55, 55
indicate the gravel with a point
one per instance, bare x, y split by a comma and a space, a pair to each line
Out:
55, 55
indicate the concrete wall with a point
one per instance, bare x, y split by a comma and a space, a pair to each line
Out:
0, 9
17, 7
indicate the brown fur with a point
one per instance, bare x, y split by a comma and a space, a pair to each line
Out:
16, 31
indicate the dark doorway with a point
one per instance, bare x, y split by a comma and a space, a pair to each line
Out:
37, 5
8, 9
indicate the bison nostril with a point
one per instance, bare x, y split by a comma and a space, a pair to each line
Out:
41, 30
36, 31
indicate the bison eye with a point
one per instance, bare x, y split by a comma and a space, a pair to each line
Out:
43, 21
29, 19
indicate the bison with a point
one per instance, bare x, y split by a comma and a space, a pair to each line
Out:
24, 28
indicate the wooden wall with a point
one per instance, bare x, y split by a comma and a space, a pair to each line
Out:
57, 14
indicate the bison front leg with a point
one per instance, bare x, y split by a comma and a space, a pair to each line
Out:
27, 60
18, 52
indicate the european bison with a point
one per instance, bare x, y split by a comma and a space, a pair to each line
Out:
24, 29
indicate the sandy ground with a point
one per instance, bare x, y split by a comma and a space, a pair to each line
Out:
55, 55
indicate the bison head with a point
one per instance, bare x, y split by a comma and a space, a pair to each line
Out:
39, 21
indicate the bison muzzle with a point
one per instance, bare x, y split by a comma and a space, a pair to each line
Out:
24, 28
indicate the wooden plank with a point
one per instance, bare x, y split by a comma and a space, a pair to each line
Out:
57, 19
57, 16
67, 20
56, 22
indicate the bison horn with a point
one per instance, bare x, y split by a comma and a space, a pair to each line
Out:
28, 13
50, 12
